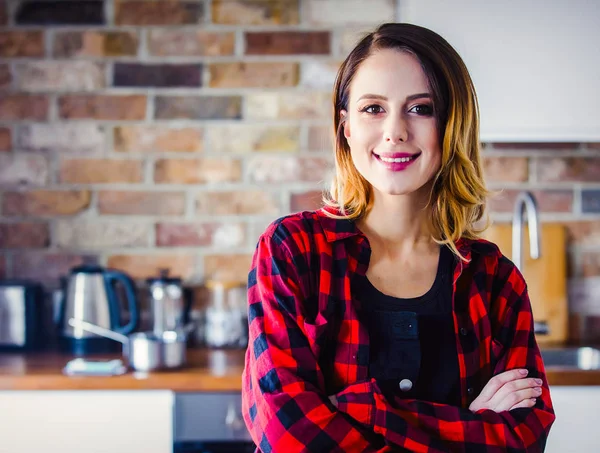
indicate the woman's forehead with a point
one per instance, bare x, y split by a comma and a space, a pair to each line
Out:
391, 73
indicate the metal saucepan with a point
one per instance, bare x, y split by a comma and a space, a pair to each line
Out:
145, 351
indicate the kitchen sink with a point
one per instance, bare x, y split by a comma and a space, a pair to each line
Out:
583, 358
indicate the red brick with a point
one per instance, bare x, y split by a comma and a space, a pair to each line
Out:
24, 235
95, 44
21, 44
504, 169
190, 43
158, 13
201, 171
590, 263
283, 170
288, 43
306, 201
256, 12
145, 266
227, 267
594, 146
584, 233
141, 203
89, 171
253, 75
238, 202
548, 200
23, 107
5, 139
46, 202
3, 267
102, 107
575, 169
47, 267
5, 76
212, 234
158, 139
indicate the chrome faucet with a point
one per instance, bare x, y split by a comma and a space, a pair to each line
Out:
525, 201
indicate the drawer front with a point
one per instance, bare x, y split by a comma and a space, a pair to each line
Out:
209, 417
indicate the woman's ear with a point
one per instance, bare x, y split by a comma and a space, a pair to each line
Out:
345, 123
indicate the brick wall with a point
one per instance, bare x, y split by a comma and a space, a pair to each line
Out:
148, 134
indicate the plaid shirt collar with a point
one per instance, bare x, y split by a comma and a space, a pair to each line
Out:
339, 229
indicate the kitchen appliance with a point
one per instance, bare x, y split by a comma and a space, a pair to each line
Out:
102, 297
21, 308
145, 351
226, 319
170, 303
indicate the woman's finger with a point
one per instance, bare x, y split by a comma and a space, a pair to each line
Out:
515, 398
525, 403
495, 383
510, 388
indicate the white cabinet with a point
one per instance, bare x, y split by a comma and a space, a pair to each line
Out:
576, 427
86, 421
535, 63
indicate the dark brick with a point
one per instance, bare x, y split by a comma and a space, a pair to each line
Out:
48, 267
95, 44
158, 13
3, 267
199, 107
535, 146
590, 201
5, 76
5, 139
20, 106
288, 42
157, 75
3, 13
80, 12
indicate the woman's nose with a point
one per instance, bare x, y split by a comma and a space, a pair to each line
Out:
396, 131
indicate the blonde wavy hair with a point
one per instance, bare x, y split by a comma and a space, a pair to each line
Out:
458, 196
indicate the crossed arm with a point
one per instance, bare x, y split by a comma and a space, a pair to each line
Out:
286, 410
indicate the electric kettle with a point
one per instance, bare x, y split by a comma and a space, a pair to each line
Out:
99, 296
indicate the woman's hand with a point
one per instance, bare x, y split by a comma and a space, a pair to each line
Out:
507, 391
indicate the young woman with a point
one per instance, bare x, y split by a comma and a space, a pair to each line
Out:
381, 322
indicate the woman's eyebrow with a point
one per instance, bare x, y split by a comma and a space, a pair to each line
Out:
383, 98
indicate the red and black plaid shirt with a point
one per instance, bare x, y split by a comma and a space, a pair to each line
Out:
306, 342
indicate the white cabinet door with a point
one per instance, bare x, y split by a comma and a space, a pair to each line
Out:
535, 63
86, 421
576, 427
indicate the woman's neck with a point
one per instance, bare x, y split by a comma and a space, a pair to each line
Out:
399, 224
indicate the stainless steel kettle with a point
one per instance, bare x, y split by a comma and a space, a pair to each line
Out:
91, 294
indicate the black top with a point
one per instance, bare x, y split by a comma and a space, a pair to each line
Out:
413, 339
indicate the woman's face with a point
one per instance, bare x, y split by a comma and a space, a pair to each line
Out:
390, 124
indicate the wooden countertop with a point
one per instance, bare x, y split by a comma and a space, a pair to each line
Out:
207, 371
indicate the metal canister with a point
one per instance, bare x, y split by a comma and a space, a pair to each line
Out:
226, 319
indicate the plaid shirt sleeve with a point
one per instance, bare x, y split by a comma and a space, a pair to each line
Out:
430, 427
283, 404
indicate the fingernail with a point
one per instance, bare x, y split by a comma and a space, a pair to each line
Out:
538, 381
524, 372
533, 400
538, 390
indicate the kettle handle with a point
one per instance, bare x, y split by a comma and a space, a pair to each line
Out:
112, 276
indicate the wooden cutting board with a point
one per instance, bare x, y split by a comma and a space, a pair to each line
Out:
546, 277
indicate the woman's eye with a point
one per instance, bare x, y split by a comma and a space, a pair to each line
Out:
372, 109
422, 109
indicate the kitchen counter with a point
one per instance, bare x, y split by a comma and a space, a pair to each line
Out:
207, 371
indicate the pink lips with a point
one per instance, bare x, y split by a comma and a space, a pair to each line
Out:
396, 166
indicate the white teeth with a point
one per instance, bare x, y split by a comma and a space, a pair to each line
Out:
399, 159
